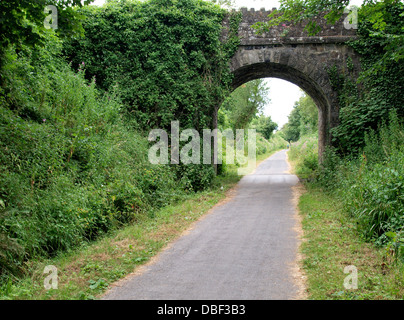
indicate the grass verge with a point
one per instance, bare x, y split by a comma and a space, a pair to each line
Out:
331, 243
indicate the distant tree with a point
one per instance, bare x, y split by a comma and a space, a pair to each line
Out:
228, 4
291, 130
308, 114
264, 125
302, 120
244, 104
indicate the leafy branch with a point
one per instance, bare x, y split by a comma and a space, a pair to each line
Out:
299, 11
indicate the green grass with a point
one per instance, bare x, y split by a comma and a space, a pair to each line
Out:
332, 237
331, 242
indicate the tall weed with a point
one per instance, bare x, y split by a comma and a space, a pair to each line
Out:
304, 153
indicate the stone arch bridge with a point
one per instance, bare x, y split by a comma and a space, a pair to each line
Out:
288, 53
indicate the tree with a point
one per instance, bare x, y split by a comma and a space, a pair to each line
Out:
302, 120
264, 125
228, 4
291, 130
308, 113
243, 105
22, 21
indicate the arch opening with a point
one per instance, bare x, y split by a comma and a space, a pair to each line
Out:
275, 70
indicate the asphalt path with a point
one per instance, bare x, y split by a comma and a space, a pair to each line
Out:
245, 248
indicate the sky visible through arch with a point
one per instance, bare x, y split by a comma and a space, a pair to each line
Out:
282, 94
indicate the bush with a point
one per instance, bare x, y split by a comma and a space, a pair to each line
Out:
371, 186
305, 155
380, 208
378, 203
195, 177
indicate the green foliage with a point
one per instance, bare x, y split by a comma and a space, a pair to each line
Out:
371, 185
195, 177
264, 125
225, 3
164, 54
166, 58
380, 206
274, 143
382, 21
388, 139
263, 148
377, 199
302, 120
71, 168
304, 153
22, 21
381, 77
243, 105
11, 254
304, 10
291, 130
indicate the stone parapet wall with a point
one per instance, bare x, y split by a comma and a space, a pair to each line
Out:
288, 32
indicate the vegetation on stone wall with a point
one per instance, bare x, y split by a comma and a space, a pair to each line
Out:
381, 31
165, 56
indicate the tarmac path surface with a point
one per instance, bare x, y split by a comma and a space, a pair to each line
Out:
245, 248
